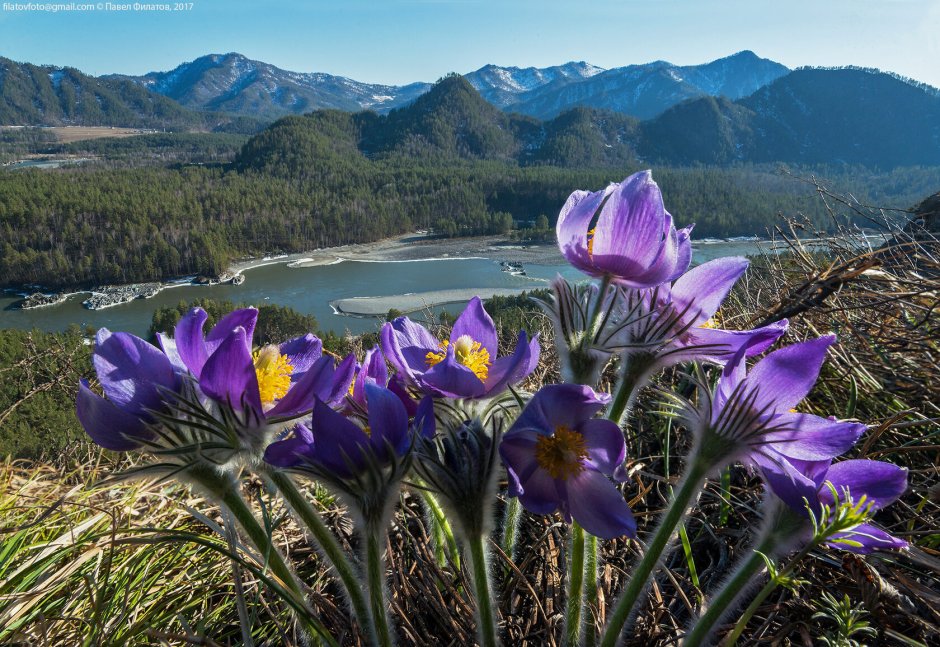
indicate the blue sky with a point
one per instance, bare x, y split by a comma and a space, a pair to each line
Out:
398, 41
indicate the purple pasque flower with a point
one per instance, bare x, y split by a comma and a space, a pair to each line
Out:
752, 414
373, 370
272, 383
464, 366
336, 445
673, 324
633, 242
136, 378
799, 484
559, 457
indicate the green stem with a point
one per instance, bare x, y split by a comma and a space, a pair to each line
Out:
441, 529
632, 380
225, 491
575, 587
758, 600
511, 526
686, 493
590, 590
724, 600
329, 547
591, 331
375, 567
486, 619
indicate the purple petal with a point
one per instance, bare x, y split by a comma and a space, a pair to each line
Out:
168, 344
559, 405
540, 493
785, 376
871, 539
684, 255
339, 445
514, 368
598, 506
720, 346
189, 340
450, 379
108, 425
372, 371
631, 221
290, 451
388, 420
478, 325
244, 318
406, 344
132, 371
701, 290
396, 385
333, 391
882, 483
787, 482
229, 374
572, 227
302, 353
425, 422
316, 382
811, 438
518, 453
605, 446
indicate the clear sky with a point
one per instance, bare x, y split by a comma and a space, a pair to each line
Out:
399, 41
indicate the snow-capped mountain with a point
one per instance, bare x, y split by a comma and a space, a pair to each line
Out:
233, 83
647, 90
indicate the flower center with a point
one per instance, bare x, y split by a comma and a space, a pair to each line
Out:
562, 454
468, 352
273, 371
711, 323
590, 241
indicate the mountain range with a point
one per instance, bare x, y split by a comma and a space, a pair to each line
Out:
809, 116
741, 108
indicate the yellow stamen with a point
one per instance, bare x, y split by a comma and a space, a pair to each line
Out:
273, 371
468, 352
711, 323
561, 455
590, 241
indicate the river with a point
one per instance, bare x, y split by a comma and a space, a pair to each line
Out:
311, 289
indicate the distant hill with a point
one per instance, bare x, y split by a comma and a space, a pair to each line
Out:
33, 95
843, 116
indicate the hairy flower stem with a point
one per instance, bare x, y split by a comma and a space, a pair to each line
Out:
724, 600
590, 590
627, 604
375, 572
574, 612
329, 548
482, 590
446, 543
513, 516
632, 379
224, 489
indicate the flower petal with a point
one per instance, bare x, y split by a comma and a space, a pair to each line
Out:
168, 345
787, 482
229, 377
132, 371
450, 379
290, 451
785, 376
339, 445
811, 438
630, 224
598, 506
476, 323
572, 227
406, 344
605, 446
514, 368
684, 254
559, 405
701, 290
302, 353
243, 318
882, 483
720, 346
871, 539
388, 421
190, 341
108, 425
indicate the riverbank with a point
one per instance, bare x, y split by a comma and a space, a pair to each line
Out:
408, 303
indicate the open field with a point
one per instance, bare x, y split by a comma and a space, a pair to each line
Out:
69, 134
